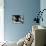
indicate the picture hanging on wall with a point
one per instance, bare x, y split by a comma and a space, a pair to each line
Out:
17, 19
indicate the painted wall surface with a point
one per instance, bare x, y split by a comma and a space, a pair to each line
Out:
27, 8
43, 6
1, 20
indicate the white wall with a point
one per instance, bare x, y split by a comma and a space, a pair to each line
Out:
43, 6
1, 20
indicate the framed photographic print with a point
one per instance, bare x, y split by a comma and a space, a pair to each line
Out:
17, 19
